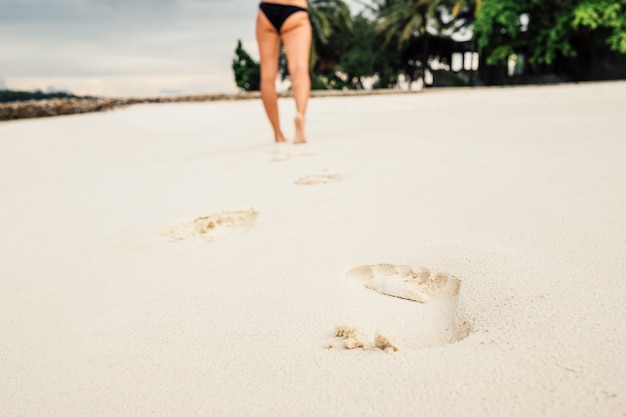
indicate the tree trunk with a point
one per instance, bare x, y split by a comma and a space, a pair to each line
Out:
471, 70
426, 46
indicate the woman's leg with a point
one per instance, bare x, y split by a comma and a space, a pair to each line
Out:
269, 49
296, 36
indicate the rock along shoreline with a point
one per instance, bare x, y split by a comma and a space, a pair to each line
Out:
67, 106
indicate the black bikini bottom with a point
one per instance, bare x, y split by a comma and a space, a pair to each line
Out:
278, 13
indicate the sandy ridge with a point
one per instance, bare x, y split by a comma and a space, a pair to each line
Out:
66, 106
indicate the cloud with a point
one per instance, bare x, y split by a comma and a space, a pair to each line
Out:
78, 12
99, 42
114, 38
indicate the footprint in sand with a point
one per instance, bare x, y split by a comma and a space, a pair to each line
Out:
284, 152
391, 307
214, 226
317, 179
402, 281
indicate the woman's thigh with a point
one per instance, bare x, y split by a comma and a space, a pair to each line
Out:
269, 45
296, 36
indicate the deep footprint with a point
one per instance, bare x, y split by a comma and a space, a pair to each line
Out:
403, 282
215, 226
354, 339
392, 307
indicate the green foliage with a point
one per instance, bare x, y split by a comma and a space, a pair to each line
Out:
594, 14
332, 31
556, 28
617, 41
582, 16
327, 17
387, 78
497, 27
403, 20
247, 71
328, 82
551, 41
360, 58
597, 14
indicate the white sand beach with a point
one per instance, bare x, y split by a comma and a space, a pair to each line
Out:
167, 260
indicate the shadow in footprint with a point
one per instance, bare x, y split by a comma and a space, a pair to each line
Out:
392, 307
214, 226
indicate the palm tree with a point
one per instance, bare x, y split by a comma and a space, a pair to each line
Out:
406, 22
329, 19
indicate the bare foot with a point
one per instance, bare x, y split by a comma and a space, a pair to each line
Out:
300, 136
280, 138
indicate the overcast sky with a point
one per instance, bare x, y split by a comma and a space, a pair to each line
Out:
123, 47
